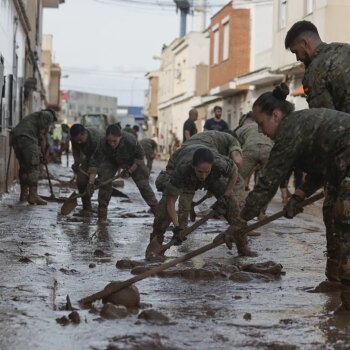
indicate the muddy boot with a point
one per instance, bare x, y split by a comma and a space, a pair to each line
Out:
285, 194
34, 198
241, 240
345, 296
153, 250
332, 283
102, 215
23, 197
262, 215
87, 208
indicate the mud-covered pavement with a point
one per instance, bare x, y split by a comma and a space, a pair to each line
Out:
45, 257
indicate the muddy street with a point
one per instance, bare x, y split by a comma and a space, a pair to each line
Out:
211, 302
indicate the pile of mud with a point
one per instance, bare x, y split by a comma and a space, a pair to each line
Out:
143, 341
267, 271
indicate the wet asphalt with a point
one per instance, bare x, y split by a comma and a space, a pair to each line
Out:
44, 257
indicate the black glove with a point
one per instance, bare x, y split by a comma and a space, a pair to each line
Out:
220, 206
75, 167
293, 207
90, 189
179, 235
125, 174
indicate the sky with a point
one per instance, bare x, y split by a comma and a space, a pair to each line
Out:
107, 46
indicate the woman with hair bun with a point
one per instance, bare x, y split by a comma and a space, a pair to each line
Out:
316, 141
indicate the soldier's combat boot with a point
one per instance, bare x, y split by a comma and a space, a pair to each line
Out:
333, 270
34, 198
23, 197
332, 283
102, 215
241, 240
87, 208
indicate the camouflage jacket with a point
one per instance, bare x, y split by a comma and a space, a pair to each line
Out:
149, 146
222, 142
34, 126
129, 151
250, 137
87, 152
182, 176
327, 78
310, 140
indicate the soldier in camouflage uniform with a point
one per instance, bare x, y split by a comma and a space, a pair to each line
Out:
85, 143
190, 168
150, 148
316, 141
327, 75
226, 145
256, 149
326, 83
29, 141
120, 150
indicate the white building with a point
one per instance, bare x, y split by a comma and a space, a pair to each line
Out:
21, 85
183, 78
74, 104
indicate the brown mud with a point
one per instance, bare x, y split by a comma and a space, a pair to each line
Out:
255, 311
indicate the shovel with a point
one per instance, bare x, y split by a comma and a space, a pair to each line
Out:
193, 214
71, 203
113, 288
115, 192
50, 184
154, 249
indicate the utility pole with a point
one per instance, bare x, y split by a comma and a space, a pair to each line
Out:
184, 7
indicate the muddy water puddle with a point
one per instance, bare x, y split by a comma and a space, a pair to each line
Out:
212, 302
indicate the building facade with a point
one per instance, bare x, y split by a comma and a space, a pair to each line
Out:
21, 84
183, 79
74, 104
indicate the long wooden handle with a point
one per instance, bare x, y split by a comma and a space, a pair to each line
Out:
106, 182
48, 177
104, 293
205, 197
189, 230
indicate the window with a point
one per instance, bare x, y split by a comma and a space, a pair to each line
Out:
282, 13
216, 47
309, 6
97, 109
226, 52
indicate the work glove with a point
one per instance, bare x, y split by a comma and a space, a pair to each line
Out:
293, 207
232, 234
90, 189
220, 206
125, 174
75, 167
178, 235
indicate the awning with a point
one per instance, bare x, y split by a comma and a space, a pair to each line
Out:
299, 91
259, 77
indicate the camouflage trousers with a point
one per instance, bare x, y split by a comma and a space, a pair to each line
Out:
140, 176
28, 154
162, 219
82, 181
253, 159
336, 216
149, 159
